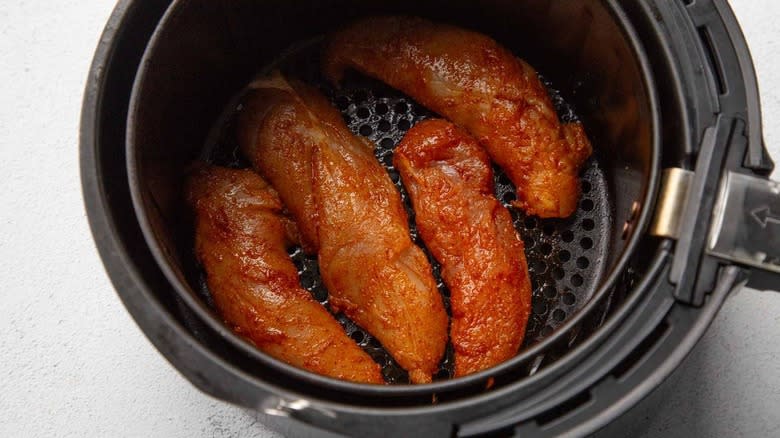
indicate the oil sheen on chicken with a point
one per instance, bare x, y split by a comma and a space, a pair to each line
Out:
450, 181
351, 215
240, 240
481, 86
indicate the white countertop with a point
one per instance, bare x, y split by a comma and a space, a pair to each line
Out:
73, 363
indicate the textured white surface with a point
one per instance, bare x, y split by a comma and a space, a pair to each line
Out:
72, 362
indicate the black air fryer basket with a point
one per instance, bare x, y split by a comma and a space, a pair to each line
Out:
676, 210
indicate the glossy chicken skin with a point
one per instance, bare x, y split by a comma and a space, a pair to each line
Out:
240, 240
373, 271
473, 81
450, 181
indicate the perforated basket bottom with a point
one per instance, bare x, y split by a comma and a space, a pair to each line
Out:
566, 257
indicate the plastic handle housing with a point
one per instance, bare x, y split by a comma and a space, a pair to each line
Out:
746, 223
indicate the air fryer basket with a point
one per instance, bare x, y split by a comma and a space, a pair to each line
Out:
384, 115
196, 65
615, 308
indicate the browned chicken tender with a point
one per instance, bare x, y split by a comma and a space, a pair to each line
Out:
473, 81
240, 240
333, 184
450, 181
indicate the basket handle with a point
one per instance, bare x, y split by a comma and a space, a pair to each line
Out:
746, 227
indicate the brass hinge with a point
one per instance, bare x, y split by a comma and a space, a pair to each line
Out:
675, 183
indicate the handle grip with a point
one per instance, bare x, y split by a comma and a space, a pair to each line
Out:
746, 226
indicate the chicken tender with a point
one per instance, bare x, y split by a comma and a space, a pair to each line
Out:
240, 240
473, 81
450, 181
372, 269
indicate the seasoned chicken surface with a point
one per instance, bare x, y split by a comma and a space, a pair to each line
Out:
373, 271
450, 181
473, 81
240, 241
270, 130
